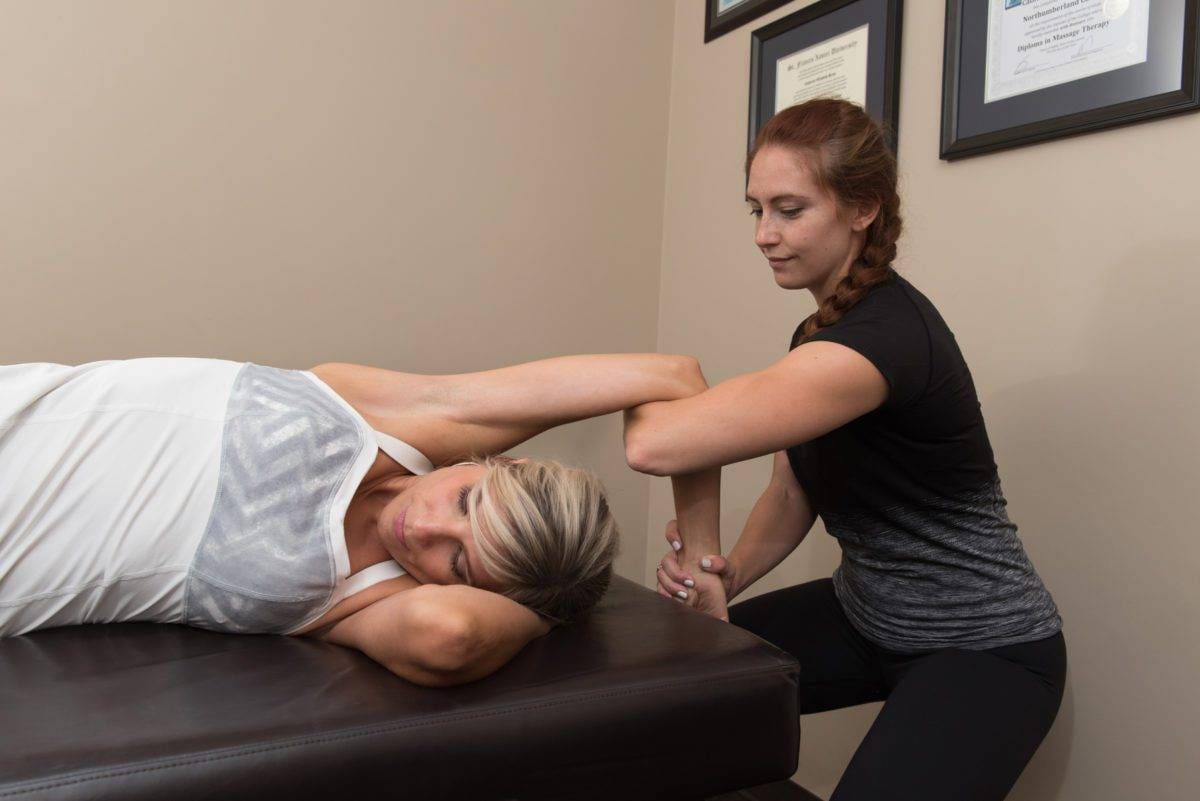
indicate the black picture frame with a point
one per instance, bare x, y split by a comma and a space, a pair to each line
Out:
717, 24
820, 22
1135, 93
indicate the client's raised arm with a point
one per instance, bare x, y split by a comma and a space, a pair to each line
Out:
449, 417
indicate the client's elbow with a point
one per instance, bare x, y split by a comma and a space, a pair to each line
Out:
442, 646
450, 645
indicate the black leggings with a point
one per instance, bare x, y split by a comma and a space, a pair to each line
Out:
958, 725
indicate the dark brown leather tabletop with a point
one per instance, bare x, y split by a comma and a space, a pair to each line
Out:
647, 699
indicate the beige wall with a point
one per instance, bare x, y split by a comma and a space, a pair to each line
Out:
1068, 272
448, 186
424, 186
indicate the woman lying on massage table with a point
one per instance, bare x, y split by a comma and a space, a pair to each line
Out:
358, 505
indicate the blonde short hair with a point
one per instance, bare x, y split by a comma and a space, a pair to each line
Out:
545, 532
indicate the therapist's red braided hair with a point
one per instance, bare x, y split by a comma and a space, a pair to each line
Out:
850, 158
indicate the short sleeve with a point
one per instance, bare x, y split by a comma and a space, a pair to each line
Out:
888, 330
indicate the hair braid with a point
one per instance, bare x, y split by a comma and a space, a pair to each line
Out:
873, 266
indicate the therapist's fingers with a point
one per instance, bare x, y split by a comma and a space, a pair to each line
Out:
673, 595
672, 535
670, 566
724, 570
714, 564
674, 582
669, 587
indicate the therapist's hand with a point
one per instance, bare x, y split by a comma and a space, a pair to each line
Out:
704, 589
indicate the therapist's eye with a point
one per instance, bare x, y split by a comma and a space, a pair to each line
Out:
792, 214
755, 212
463, 494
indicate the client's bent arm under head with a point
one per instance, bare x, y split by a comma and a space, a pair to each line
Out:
440, 635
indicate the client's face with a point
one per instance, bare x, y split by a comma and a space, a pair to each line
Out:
426, 528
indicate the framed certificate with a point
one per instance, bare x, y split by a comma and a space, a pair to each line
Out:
1023, 71
833, 48
722, 16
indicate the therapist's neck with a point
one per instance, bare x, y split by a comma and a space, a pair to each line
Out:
825, 289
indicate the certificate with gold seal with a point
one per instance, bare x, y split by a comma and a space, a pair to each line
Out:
1033, 44
1023, 71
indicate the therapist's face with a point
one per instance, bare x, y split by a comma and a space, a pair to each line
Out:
810, 239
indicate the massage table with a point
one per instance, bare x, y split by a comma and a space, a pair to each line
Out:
646, 699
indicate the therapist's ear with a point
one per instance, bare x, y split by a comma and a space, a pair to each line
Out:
863, 216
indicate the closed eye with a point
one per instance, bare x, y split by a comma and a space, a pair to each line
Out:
454, 566
464, 496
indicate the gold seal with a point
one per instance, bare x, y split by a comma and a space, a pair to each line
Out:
1114, 9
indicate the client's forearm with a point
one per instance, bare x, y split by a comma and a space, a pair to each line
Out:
566, 388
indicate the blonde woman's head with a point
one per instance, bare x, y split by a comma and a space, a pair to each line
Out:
545, 533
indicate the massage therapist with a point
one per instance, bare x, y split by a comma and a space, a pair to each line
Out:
876, 428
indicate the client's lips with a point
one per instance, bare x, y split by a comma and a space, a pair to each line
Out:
398, 527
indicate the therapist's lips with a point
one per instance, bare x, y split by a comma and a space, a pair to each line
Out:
398, 527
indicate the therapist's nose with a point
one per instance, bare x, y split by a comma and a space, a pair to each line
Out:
765, 233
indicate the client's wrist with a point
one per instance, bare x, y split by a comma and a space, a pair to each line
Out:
690, 555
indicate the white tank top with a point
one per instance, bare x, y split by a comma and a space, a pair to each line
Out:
110, 470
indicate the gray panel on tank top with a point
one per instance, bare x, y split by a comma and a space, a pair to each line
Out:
265, 562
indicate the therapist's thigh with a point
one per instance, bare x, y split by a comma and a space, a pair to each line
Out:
959, 725
838, 668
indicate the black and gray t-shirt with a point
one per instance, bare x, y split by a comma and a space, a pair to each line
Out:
930, 559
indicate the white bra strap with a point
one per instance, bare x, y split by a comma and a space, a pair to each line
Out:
370, 576
405, 455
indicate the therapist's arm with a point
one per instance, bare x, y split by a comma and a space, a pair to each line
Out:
816, 388
778, 523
